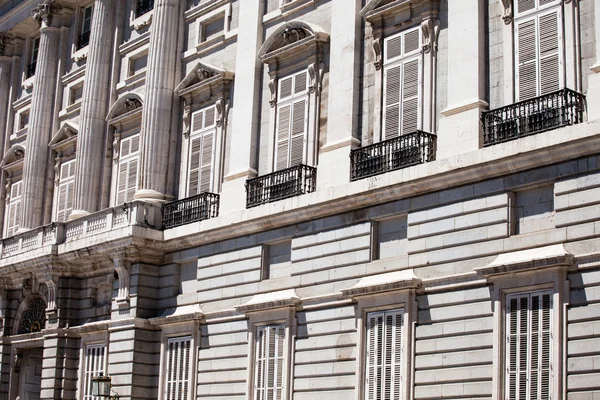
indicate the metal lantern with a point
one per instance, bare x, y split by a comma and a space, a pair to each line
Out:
101, 386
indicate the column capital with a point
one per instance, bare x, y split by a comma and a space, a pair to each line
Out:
44, 12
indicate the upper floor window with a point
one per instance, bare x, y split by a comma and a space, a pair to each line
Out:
201, 151
402, 83
66, 191
292, 118
13, 210
86, 27
538, 47
143, 6
129, 149
269, 355
35, 47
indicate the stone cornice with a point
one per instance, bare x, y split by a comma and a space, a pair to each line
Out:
270, 301
391, 281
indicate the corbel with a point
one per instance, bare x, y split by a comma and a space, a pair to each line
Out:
507, 17
430, 29
7, 188
116, 147
186, 120
51, 283
273, 91
377, 52
222, 107
121, 268
57, 164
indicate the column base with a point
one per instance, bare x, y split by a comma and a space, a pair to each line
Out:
149, 195
78, 214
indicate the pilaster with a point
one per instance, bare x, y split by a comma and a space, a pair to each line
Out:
344, 83
59, 366
94, 104
593, 92
242, 158
460, 128
155, 137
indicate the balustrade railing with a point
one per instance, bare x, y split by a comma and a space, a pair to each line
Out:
392, 154
144, 6
532, 116
196, 208
279, 185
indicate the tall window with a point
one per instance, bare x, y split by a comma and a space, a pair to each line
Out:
292, 120
538, 47
201, 152
402, 88
86, 27
384, 355
95, 359
528, 346
66, 191
35, 47
13, 211
177, 382
128, 169
268, 374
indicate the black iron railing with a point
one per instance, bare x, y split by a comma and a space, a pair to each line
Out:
279, 185
31, 69
143, 6
192, 209
528, 117
83, 40
396, 153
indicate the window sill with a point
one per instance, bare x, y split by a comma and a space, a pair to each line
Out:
80, 54
142, 22
135, 78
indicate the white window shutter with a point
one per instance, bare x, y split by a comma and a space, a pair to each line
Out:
13, 213
178, 369
132, 178
207, 158
549, 39
298, 132
527, 68
410, 96
66, 191
270, 354
283, 136
393, 47
94, 365
201, 151
525, 5
194, 166
391, 123
128, 169
285, 88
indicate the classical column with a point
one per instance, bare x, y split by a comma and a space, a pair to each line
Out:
343, 107
40, 119
5, 84
242, 152
593, 93
94, 104
459, 129
163, 56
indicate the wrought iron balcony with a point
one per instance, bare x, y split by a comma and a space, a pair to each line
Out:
280, 185
83, 40
392, 154
196, 208
31, 69
532, 116
144, 6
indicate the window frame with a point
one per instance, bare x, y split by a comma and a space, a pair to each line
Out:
126, 159
69, 180
84, 372
16, 203
201, 134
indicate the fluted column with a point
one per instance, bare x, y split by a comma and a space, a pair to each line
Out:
94, 103
40, 117
156, 116
5, 84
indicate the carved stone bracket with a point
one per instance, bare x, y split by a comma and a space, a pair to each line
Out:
222, 107
430, 28
116, 147
507, 17
57, 164
186, 121
45, 11
7, 188
315, 73
51, 307
80, 57
273, 91
143, 23
377, 52
122, 271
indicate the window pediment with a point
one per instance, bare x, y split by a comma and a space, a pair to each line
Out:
377, 9
204, 77
65, 137
13, 157
291, 39
127, 106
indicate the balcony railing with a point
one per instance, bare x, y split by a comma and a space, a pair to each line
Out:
83, 40
144, 6
192, 209
392, 154
280, 185
528, 117
31, 69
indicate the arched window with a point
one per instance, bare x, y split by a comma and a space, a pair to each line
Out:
34, 317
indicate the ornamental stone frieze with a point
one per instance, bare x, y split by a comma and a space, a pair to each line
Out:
45, 11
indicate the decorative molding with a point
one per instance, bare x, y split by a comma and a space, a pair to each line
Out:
65, 136
7, 189
507, 16
377, 52
430, 28
122, 271
57, 164
79, 57
45, 11
186, 121
204, 77
398, 280
143, 23
273, 91
270, 301
128, 103
222, 107
116, 147
51, 307
290, 39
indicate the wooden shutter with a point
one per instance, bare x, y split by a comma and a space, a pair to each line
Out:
527, 59
410, 96
292, 120
128, 169
201, 151
13, 214
178, 369
66, 191
94, 366
524, 6
549, 52
528, 346
384, 355
268, 374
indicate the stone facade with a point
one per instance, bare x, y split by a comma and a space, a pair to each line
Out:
300, 199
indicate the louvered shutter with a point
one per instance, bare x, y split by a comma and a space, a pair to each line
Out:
201, 151
128, 169
384, 355
268, 376
283, 135
410, 96
132, 178
66, 191
393, 78
524, 6
527, 59
205, 172
528, 346
292, 120
94, 366
178, 369
13, 219
549, 52
194, 166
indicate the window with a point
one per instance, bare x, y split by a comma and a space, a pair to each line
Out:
86, 27
211, 29
76, 93
128, 169
268, 373
138, 64
23, 120
13, 211
177, 381
277, 260
390, 238
66, 191
401, 83
95, 360
383, 378
533, 210
143, 6
35, 47
201, 151
538, 47
528, 356
292, 115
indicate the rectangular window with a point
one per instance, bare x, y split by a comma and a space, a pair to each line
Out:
212, 28
401, 83
136, 65
177, 382
86, 27
292, 120
35, 47
95, 359
201, 152
538, 48
128, 169
23, 119
66, 191
13, 212
528, 361
76, 93
384, 355
268, 374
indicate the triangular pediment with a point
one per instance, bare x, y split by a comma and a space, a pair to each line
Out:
66, 133
15, 154
200, 76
